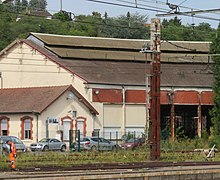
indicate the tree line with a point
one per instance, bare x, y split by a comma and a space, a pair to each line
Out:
16, 21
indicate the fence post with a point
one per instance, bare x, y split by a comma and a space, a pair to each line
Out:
78, 141
71, 140
98, 141
1, 148
116, 137
110, 136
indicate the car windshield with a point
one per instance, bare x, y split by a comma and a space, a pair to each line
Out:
5, 139
44, 140
132, 140
84, 139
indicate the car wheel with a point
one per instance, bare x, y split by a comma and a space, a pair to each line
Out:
93, 148
63, 149
46, 148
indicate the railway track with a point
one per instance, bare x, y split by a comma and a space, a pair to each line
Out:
131, 165
115, 170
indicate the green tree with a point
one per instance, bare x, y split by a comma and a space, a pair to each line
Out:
172, 29
24, 4
215, 49
38, 4
63, 16
130, 26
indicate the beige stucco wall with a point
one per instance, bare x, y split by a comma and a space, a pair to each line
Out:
21, 66
58, 109
15, 125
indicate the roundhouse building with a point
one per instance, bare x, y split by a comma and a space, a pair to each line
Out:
109, 75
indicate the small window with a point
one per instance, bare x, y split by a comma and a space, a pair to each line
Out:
95, 139
56, 140
27, 129
105, 140
4, 127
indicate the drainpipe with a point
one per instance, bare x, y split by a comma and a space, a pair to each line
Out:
123, 111
37, 125
199, 124
1, 80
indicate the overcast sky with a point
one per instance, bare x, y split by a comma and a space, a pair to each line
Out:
86, 7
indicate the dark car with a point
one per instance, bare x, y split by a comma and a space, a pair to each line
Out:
132, 143
96, 143
20, 146
46, 144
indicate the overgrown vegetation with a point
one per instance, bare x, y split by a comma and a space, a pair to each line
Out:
16, 22
178, 151
215, 113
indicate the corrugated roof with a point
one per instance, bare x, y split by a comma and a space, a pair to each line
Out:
133, 72
115, 43
34, 99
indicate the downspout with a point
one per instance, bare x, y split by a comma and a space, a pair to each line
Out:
123, 111
199, 123
1, 80
37, 125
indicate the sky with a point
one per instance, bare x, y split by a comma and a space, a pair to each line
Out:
85, 7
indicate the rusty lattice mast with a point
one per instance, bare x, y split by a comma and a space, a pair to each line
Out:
155, 90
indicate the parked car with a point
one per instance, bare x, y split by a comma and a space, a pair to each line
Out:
96, 143
46, 144
132, 143
20, 146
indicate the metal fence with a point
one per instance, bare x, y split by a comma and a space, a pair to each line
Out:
117, 137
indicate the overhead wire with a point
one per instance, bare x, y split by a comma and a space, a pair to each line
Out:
184, 7
154, 10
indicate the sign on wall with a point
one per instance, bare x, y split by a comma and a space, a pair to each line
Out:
53, 120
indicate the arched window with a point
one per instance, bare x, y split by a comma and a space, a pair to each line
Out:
4, 126
26, 127
81, 125
67, 123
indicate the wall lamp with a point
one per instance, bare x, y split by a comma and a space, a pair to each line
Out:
96, 92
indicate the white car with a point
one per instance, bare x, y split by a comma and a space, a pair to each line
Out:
96, 143
46, 144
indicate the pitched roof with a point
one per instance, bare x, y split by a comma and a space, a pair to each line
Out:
97, 48
39, 13
35, 99
185, 73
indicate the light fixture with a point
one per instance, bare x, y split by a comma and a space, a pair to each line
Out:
74, 113
70, 96
96, 92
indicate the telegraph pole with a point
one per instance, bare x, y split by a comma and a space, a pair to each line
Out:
155, 90
153, 120
61, 5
